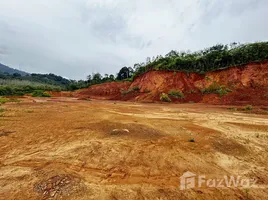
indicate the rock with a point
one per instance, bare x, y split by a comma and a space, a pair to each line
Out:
53, 193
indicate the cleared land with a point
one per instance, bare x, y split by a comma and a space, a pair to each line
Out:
63, 148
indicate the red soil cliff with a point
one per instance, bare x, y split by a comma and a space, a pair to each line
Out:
249, 85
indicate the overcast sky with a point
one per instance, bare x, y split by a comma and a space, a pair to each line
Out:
74, 38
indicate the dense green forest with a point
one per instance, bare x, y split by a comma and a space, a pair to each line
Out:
210, 59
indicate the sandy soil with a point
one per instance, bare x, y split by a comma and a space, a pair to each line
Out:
63, 148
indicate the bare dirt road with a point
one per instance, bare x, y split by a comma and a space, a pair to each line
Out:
62, 148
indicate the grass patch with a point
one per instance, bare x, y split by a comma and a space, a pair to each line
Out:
164, 97
130, 90
2, 110
176, 94
40, 93
3, 100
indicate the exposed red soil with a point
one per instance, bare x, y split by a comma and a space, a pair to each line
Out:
62, 148
249, 85
104, 91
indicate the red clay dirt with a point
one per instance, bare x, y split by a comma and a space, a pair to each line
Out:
64, 148
249, 85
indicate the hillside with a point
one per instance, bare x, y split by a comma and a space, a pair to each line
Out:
247, 84
9, 70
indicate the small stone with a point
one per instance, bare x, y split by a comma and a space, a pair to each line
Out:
53, 193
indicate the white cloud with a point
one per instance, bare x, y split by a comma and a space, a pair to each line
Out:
75, 37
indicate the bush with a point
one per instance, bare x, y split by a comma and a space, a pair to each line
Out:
176, 94
164, 97
216, 89
123, 91
136, 88
248, 107
40, 93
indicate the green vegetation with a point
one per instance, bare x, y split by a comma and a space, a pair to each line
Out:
136, 88
2, 110
248, 107
210, 59
164, 97
176, 94
216, 89
40, 93
130, 90
5, 100
213, 58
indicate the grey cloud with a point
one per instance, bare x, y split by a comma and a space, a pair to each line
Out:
73, 38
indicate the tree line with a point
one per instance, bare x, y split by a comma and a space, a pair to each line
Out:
209, 59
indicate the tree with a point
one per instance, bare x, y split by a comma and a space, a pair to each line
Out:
97, 78
123, 73
89, 78
111, 77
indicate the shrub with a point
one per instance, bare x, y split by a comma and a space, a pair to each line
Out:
248, 107
164, 97
136, 88
133, 89
176, 94
40, 93
216, 89
123, 91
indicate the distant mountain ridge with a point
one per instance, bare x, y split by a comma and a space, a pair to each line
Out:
9, 70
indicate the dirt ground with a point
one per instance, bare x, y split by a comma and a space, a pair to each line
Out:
63, 148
